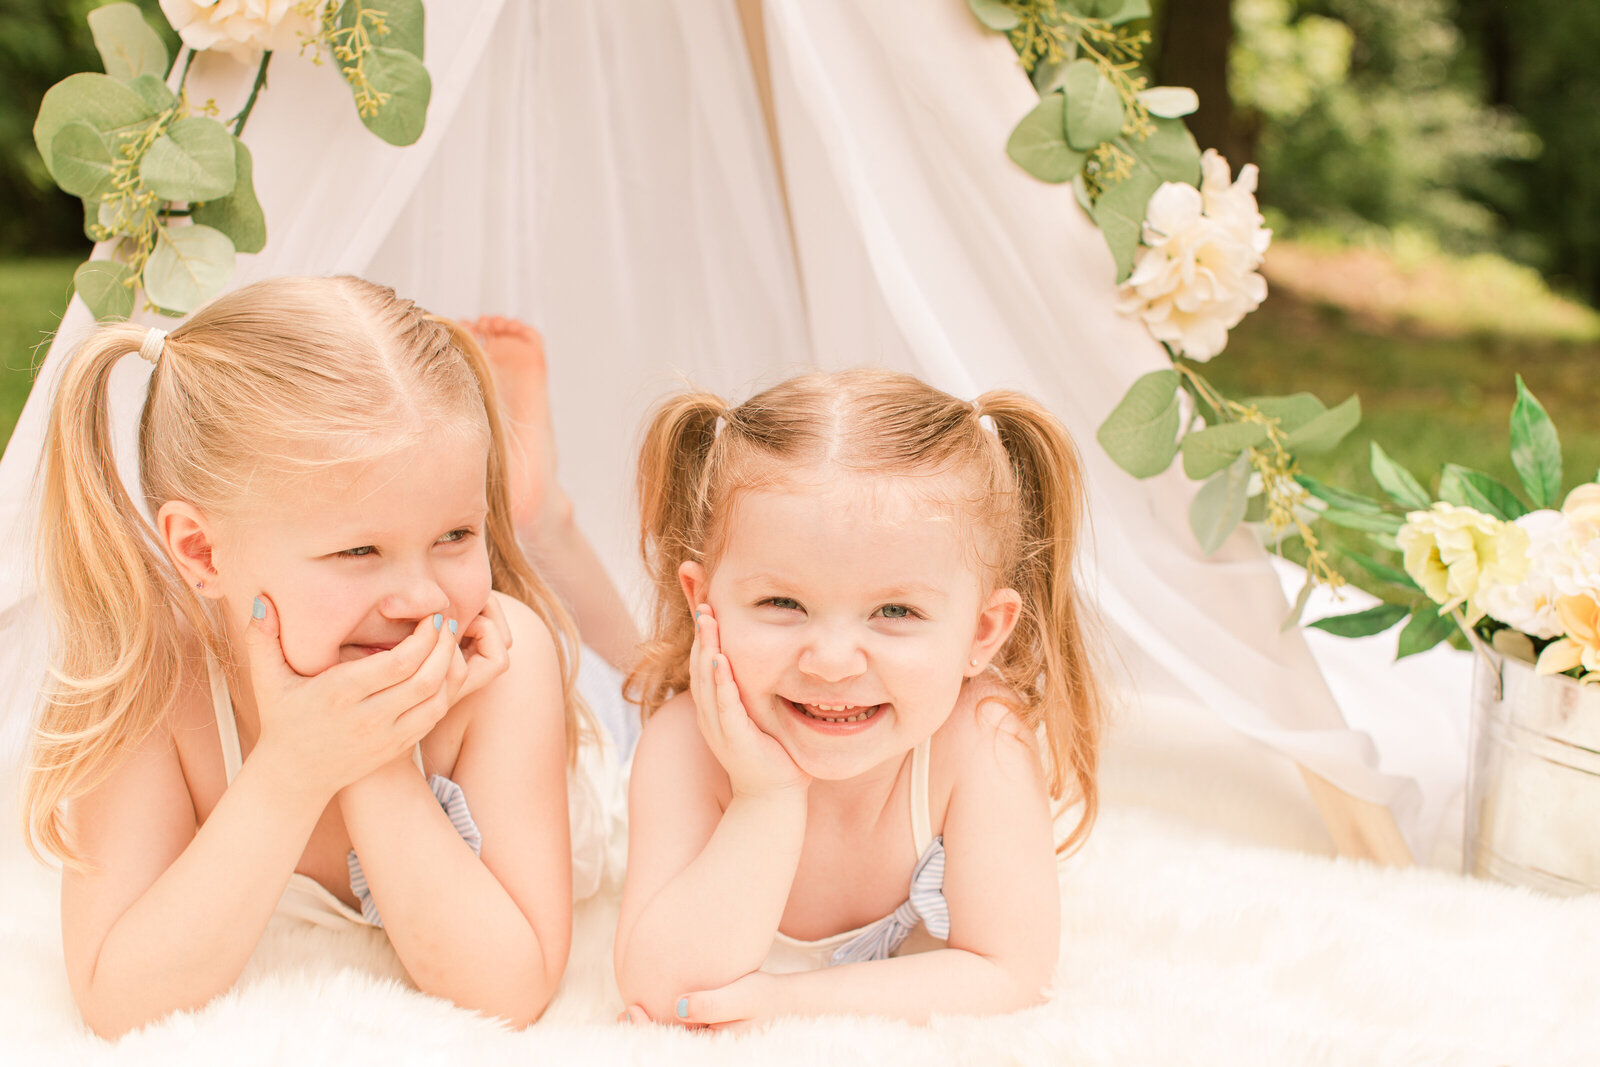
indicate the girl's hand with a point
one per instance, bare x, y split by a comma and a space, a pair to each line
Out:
482, 653
742, 1004
338, 726
756, 763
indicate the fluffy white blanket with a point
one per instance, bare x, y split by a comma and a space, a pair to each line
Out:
1179, 946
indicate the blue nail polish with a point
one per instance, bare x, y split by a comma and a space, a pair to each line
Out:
438, 622
453, 625
683, 1007
258, 610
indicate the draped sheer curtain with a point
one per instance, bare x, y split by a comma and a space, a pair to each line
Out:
603, 169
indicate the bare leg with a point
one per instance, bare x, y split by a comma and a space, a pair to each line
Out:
539, 506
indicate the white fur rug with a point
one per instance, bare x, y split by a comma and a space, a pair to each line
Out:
1179, 946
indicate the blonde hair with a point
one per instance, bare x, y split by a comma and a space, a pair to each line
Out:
1023, 484
279, 378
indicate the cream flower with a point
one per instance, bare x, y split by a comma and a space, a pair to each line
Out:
242, 28
1530, 605
1456, 553
1198, 275
1580, 616
1583, 505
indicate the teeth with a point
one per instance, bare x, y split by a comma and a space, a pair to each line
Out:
812, 710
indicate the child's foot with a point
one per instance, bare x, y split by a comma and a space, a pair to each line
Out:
516, 356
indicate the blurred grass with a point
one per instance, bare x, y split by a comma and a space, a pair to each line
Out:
33, 297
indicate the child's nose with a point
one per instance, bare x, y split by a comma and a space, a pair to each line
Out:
833, 654
416, 594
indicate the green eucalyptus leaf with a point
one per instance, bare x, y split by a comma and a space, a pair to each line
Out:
401, 75
1362, 623
1141, 433
1535, 449
1292, 412
1339, 498
1397, 481
1466, 487
1170, 101
1426, 629
1080, 192
1039, 144
1219, 506
1048, 74
1207, 451
1325, 431
154, 92
403, 19
995, 14
1120, 11
1120, 215
102, 283
1094, 110
128, 46
1299, 607
238, 215
192, 161
1169, 153
83, 163
1366, 521
101, 101
190, 265
1381, 571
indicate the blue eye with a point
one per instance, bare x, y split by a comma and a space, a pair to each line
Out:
896, 611
783, 602
356, 553
456, 535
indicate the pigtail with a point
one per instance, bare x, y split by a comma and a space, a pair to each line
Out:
509, 569
1050, 659
116, 606
673, 520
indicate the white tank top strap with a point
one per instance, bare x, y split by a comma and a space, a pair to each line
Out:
921, 820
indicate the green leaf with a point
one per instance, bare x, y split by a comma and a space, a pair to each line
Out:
995, 14
192, 161
1475, 489
1039, 144
1141, 433
189, 266
1048, 74
1292, 412
1397, 481
401, 118
238, 215
102, 102
83, 163
1094, 110
1362, 623
102, 283
1363, 520
1126, 11
1169, 153
127, 45
402, 18
1219, 506
1170, 101
1426, 629
1381, 571
1207, 451
1385, 541
1535, 449
1299, 607
1323, 433
1120, 215
1339, 498
154, 92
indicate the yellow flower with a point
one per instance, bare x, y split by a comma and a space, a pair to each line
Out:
1583, 506
1455, 553
1580, 615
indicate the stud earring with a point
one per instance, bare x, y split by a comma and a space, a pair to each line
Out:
973, 662
200, 585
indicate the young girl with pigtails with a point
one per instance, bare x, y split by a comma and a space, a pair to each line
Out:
870, 674
310, 672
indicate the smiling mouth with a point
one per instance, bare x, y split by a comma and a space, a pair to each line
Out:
837, 713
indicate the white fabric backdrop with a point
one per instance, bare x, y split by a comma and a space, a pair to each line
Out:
602, 169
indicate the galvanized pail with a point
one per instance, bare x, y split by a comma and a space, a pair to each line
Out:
1533, 781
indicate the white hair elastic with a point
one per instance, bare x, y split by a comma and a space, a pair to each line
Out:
153, 344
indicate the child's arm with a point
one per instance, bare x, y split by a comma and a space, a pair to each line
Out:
165, 915
707, 885
1003, 892
492, 932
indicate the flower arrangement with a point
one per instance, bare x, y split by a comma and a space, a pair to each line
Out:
162, 178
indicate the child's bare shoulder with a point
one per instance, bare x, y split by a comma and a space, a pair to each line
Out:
985, 730
671, 738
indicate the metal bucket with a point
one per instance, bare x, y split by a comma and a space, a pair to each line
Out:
1533, 783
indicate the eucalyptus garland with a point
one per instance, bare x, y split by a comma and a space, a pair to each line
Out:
166, 181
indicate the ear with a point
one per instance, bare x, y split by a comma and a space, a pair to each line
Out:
695, 582
188, 537
995, 622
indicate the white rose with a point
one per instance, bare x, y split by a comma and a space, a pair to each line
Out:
1530, 605
1456, 554
1197, 276
242, 28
